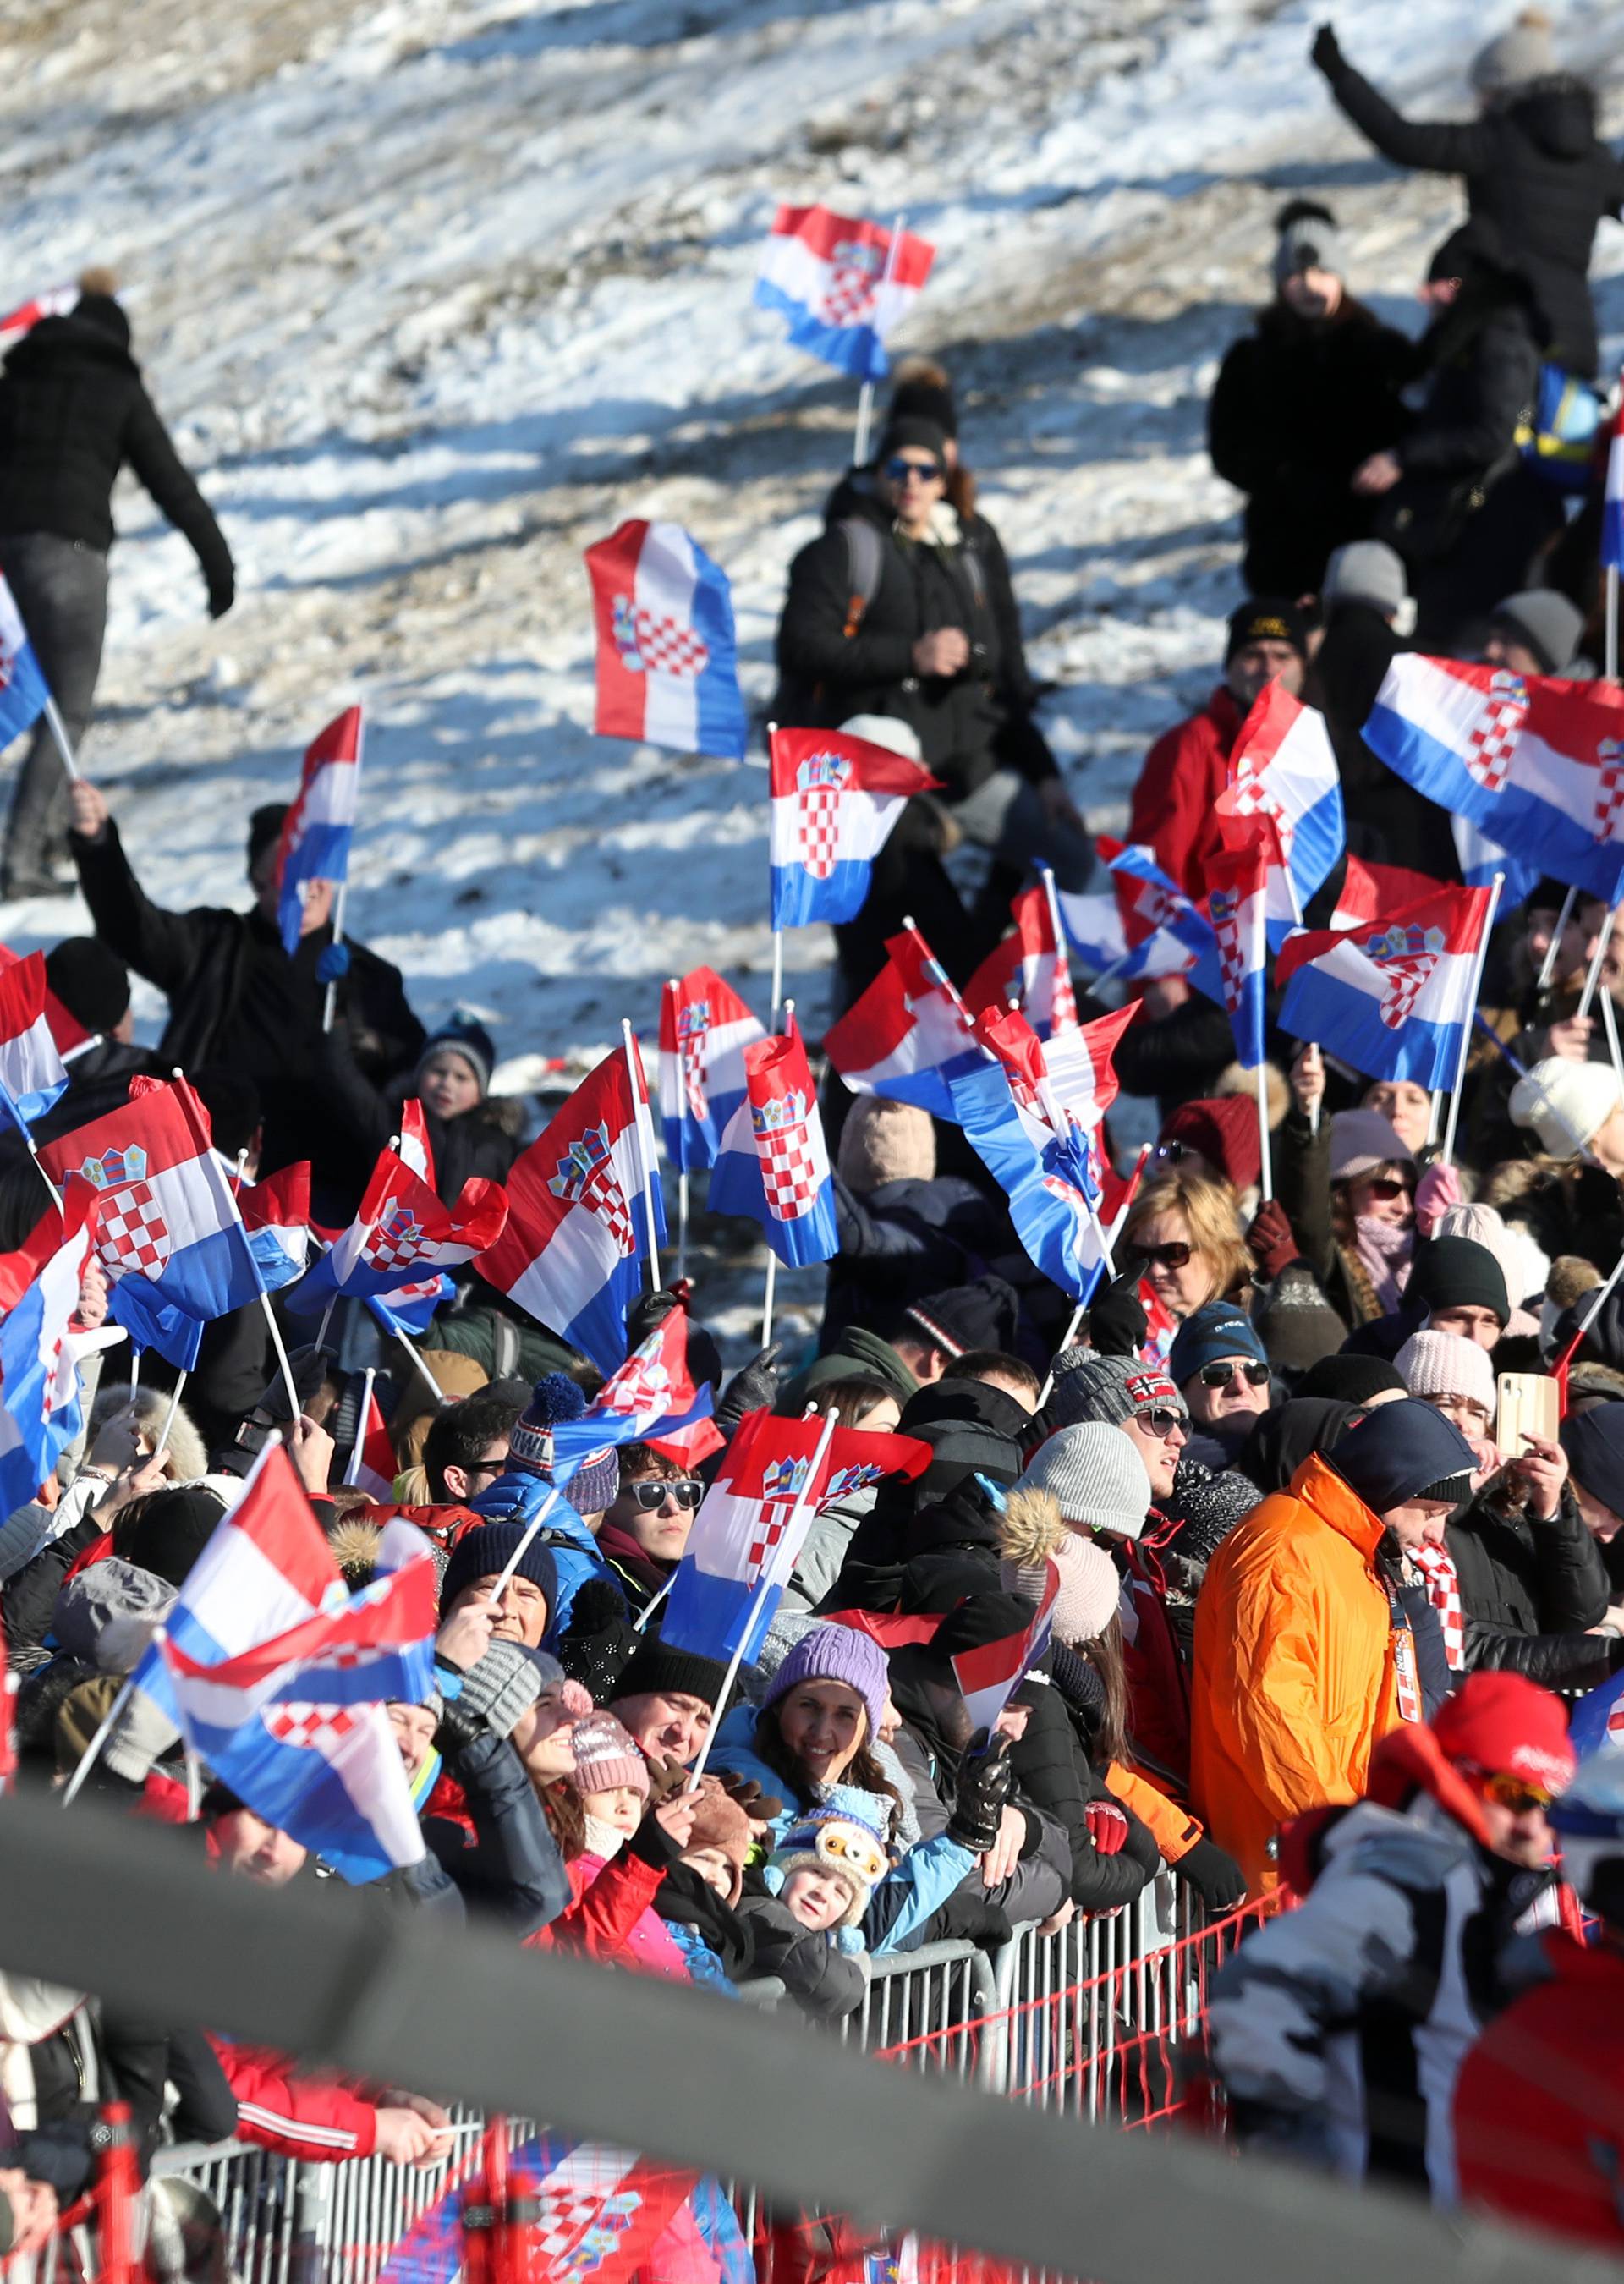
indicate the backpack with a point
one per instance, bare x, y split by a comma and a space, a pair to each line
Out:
798, 704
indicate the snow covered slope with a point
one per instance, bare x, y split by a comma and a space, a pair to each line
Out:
435, 291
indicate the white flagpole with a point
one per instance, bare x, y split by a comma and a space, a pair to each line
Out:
645, 1152
1260, 954
230, 1194
795, 1530
1045, 874
1610, 643
672, 988
429, 1380
352, 1471
92, 1751
338, 917
58, 730
55, 1194
523, 1548
777, 977
1593, 976
772, 1279
135, 1372
168, 1418
865, 395
1477, 978
1548, 963
1610, 1025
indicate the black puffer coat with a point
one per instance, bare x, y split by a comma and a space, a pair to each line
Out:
1298, 404
1531, 1591
72, 412
1531, 165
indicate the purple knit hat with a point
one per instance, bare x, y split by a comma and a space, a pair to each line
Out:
837, 1654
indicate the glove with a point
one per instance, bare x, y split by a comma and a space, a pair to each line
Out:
985, 1782
332, 965
667, 1779
1117, 1321
1215, 1877
754, 1388
1325, 55
1438, 1189
745, 1793
222, 595
504, 1685
1269, 1240
650, 1311
1107, 1827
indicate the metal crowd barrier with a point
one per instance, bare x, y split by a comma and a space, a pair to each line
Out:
1078, 2021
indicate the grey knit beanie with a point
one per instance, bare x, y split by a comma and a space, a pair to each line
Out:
1544, 623
1107, 1387
1308, 239
1095, 1473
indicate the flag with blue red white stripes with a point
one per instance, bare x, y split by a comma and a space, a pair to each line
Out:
1390, 995
1031, 967
652, 1399
843, 284
24, 690
704, 1029
1237, 906
1046, 1175
667, 658
1612, 501
835, 801
908, 1033
1282, 768
40, 1410
33, 1074
320, 825
773, 1166
401, 1235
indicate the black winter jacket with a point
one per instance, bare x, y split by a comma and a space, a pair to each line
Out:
1534, 168
904, 1239
475, 1145
1298, 404
72, 412
238, 999
1531, 1591
1482, 361
969, 724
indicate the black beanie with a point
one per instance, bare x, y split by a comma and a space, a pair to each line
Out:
233, 1102
912, 431
107, 314
1266, 618
1351, 1379
924, 391
486, 1551
92, 982
1456, 1272
654, 1670
172, 1530
1594, 1442
1403, 1452
265, 829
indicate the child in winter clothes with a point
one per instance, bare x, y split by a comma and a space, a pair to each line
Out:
600, 1809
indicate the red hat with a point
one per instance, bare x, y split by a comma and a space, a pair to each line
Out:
1503, 1721
1224, 1129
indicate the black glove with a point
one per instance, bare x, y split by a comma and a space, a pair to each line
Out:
600, 1639
650, 1311
1117, 1321
755, 1389
222, 595
1215, 1877
985, 1782
1325, 55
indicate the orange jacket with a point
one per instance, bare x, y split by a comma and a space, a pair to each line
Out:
1295, 1673
1174, 1829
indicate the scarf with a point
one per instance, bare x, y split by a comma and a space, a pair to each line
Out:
1386, 1252
1436, 1564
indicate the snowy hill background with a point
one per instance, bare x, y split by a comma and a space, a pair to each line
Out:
435, 291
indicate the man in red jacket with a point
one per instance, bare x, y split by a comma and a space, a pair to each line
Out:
1189, 767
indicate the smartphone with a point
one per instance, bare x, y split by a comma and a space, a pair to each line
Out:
1529, 1405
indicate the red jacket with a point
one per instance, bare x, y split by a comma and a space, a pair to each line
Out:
607, 1908
296, 2113
1539, 2108
1185, 772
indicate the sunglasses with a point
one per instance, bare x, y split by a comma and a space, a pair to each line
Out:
1384, 1186
1161, 1419
898, 469
685, 1491
1178, 1254
1219, 1375
1514, 1793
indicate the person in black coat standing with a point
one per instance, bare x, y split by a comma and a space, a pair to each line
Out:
73, 411
1307, 396
237, 1000
1532, 164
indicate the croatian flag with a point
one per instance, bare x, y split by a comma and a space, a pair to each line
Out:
667, 660
23, 688
401, 1235
1047, 1177
1369, 890
577, 1230
276, 1216
843, 284
704, 1029
989, 1675
1056, 1084
32, 1072
66, 1030
39, 1412
169, 1230
55, 301
319, 826
266, 1568
1144, 925
296, 1725
1237, 906
1537, 763
1393, 996
772, 1166
1596, 1722
907, 1036
414, 1148
372, 1464
1612, 505
1029, 967
602, 2212
649, 1399
1282, 768
835, 800
410, 1308
754, 1522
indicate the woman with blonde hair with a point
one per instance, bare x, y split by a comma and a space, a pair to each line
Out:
1186, 1230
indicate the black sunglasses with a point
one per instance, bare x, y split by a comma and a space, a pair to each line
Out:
1219, 1375
898, 469
683, 1490
1175, 1255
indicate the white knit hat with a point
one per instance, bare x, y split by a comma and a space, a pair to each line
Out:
1443, 1364
1522, 54
886, 730
1566, 1104
1095, 1473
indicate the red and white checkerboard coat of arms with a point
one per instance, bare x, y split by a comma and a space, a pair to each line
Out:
819, 786
791, 1175
1224, 906
1494, 739
854, 275
1149, 907
654, 642
643, 1387
1609, 789
783, 1483
312, 1726
132, 1236
693, 1024
1405, 957
396, 1239
586, 1176
1254, 797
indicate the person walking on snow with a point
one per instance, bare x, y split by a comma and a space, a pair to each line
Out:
73, 411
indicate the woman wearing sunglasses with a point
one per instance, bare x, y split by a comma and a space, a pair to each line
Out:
645, 1527
1350, 1194
1186, 1230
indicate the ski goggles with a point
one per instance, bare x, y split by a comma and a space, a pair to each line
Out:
654, 1494
1510, 1791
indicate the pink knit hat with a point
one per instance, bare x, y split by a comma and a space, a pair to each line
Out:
1089, 1587
606, 1756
